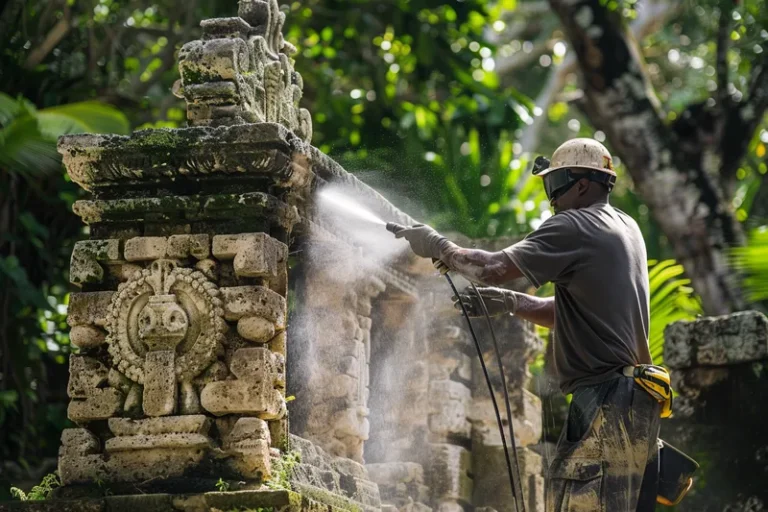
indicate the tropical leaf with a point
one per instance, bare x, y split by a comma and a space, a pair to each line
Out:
84, 117
752, 261
28, 136
671, 300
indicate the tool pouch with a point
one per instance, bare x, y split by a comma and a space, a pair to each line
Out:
676, 471
656, 381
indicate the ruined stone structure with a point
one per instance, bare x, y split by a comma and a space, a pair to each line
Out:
211, 278
719, 370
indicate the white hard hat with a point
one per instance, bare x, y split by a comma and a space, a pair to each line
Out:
581, 153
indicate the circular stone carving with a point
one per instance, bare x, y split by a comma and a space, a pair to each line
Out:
182, 291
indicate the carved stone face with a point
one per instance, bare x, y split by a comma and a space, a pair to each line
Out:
162, 323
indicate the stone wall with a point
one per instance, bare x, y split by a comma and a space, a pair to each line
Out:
720, 371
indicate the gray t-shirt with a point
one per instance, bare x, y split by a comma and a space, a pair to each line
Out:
597, 260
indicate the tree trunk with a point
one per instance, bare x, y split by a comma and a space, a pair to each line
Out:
676, 173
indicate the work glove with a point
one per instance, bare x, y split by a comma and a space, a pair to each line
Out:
497, 300
425, 241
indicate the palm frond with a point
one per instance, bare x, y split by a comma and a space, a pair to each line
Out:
671, 300
752, 262
28, 136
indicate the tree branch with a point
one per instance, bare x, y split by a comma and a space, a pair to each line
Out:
721, 57
651, 17
521, 59
51, 40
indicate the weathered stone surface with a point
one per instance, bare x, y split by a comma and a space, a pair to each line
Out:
145, 248
100, 405
491, 476
89, 308
254, 254
191, 424
156, 441
84, 265
86, 375
449, 469
85, 336
448, 414
389, 472
738, 338
130, 466
260, 376
184, 246
526, 419
256, 329
78, 441
249, 207
245, 301
400, 483
159, 383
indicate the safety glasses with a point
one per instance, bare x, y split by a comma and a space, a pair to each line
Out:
560, 181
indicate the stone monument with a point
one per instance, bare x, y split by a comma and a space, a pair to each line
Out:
181, 320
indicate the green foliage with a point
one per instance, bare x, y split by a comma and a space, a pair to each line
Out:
41, 491
282, 469
28, 136
752, 261
672, 300
36, 235
222, 485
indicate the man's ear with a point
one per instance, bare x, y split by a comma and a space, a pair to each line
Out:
583, 186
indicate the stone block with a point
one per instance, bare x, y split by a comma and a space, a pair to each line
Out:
85, 375
160, 389
260, 375
349, 467
395, 472
89, 308
156, 441
100, 404
78, 441
255, 254
449, 470
189, 424
448, 402
252, 459
86, 336
246, 301
256, 329
145, 248
184, 246
84, 266
526, 419
717, 341
367, 493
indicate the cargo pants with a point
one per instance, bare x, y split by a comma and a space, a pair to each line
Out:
607, 457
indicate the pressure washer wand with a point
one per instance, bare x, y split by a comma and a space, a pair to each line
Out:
515, 483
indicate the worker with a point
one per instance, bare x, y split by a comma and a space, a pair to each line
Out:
607, 455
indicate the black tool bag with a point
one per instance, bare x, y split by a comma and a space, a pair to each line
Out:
676, 471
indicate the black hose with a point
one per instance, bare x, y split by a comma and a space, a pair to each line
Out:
513, 487
518, 493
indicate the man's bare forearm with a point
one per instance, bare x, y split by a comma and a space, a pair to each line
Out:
540, 311
487, 268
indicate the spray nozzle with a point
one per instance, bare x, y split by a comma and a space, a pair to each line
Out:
394, 227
